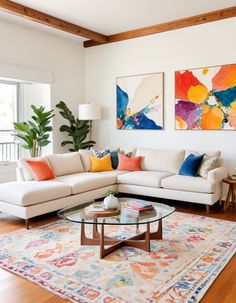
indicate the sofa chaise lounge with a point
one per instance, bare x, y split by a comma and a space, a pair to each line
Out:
74, 183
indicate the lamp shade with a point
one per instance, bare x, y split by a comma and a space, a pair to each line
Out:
89, 112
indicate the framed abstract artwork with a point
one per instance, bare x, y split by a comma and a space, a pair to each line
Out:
205, 98
139, 102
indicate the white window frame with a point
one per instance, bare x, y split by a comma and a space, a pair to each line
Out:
16, 118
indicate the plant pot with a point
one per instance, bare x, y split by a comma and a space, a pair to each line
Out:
110, 202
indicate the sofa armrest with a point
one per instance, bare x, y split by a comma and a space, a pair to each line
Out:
19, 174
217, 174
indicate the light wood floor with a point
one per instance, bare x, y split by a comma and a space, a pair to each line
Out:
14, 289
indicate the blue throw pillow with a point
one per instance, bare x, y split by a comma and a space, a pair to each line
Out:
190, 165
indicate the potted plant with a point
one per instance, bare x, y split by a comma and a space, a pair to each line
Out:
77, 129
110, 201
35, 133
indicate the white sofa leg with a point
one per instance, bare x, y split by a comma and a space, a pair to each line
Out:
207, 208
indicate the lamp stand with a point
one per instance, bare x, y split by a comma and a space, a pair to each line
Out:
90, 130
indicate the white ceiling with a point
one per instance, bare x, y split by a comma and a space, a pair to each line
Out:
114, 16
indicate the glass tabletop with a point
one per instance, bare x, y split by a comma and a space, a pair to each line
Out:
78, 213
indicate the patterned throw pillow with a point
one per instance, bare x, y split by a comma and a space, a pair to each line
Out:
208, 163
101, 154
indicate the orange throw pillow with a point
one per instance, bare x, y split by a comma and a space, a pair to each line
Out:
130, 164
41, 170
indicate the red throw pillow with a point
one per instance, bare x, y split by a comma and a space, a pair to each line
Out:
127, 163
41, 170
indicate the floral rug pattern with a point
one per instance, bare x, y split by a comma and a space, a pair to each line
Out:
179, 269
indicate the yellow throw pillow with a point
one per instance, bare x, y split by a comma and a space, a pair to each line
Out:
102, 164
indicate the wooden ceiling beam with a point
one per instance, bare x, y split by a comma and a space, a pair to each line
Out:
42, 18
168, 26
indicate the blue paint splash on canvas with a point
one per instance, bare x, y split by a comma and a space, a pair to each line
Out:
227, 96
139, 120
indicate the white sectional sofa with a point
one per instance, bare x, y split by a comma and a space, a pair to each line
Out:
74, 184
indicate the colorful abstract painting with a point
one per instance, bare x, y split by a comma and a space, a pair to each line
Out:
140, 102
205, 98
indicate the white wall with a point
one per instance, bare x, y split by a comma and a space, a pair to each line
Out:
33, 55
204, 45
61, 58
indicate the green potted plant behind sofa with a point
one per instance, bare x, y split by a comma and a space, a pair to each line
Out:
77, 129
35, 133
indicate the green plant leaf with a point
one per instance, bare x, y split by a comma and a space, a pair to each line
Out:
35, 133
64, 143
77, 129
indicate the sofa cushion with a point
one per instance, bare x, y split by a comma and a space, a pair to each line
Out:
216, 153
32, 192
161, 160
25, 168
65, 164
143, 178
186, 183
85, 154
112, 173
83, 182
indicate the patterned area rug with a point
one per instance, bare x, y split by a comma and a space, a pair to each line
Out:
179, 269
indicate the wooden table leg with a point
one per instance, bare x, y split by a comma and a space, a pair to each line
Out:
137, 229
159, 231
141, 240
147, 238
233, 195
95, 230
157, 235
82, 234
102, 255
230, 192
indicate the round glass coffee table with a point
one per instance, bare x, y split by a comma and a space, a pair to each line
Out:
141, 240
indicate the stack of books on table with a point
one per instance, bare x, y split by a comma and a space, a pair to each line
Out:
96, 207
139, 209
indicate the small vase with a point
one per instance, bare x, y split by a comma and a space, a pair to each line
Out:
110, 202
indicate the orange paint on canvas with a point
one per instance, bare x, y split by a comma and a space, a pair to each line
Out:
181, 124
183, 82
205, 71
232, 115
119, 123
197, 94
225, 78
211, 118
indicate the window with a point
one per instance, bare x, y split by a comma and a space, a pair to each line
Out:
8, 114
